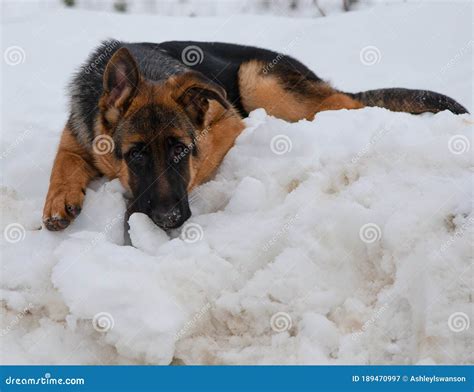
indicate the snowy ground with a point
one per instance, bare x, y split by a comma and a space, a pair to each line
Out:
341, 240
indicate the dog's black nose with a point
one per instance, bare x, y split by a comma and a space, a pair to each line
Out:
168, 219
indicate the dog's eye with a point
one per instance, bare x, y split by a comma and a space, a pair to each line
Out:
137, 155
178, 149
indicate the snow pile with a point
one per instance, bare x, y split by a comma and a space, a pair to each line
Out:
341, 240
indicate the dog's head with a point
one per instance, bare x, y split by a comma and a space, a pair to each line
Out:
156, 126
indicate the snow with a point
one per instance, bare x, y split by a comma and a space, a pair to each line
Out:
343, 240
199, 8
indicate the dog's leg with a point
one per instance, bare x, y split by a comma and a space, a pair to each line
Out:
72, 171
339, 101
288, 94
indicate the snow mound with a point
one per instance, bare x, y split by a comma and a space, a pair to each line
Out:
339, 240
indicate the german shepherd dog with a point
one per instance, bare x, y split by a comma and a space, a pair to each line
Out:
167, 124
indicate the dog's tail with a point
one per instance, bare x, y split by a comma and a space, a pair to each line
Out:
411, 101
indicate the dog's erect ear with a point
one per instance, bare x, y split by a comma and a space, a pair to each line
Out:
193, 93
121, 79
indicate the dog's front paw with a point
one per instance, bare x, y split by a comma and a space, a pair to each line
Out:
63, 204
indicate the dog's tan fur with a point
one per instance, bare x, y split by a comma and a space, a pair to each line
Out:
260, 90
73, 169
